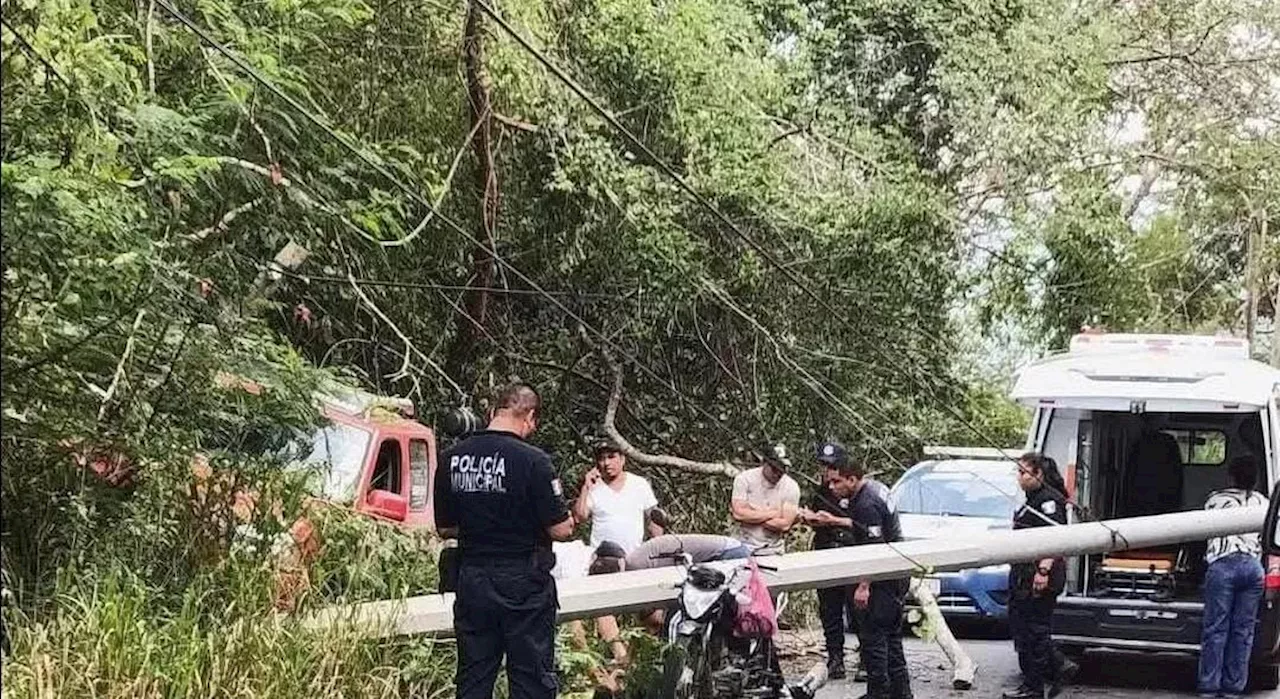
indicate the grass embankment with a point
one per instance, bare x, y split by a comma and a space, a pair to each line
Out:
108, 633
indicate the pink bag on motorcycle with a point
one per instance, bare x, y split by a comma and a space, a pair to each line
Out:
756, 615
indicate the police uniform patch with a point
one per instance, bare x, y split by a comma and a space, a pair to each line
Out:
1049, 507
873, 532
557, 488
844, 503
828, 450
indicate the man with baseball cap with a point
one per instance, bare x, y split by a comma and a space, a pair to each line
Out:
619, 505
765, 502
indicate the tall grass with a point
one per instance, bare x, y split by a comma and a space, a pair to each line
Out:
107, 632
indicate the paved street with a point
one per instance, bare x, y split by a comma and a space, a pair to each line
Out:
1102, 676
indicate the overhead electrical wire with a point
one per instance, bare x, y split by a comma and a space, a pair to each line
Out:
413, 194
697, 196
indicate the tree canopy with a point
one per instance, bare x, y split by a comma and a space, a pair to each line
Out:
773, 219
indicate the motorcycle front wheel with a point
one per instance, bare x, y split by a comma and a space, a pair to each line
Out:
684, 671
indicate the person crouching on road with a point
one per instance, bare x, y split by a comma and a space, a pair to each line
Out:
1034, 587
501, 497
878, 605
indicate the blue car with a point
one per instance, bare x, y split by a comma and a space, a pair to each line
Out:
954, 498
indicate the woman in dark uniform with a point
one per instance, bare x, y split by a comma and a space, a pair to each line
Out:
1034, 586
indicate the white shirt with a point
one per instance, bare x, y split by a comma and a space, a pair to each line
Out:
1224, 546
751, 486
573, 559
618, 515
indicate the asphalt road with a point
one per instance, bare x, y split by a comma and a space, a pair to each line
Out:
1102, 676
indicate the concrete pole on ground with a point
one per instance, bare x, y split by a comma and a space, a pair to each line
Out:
963, 667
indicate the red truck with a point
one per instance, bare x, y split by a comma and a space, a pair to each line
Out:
375, 458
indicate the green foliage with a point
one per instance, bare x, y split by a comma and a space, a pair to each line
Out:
116, 637
1119, 156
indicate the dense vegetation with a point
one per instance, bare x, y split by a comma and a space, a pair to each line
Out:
887, 196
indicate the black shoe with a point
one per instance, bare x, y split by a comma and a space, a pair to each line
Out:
1052, 690
835, 669
1067, 673
860, 675
1024, 692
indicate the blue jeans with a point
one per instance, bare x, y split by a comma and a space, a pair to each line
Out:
1232, 593
737, 552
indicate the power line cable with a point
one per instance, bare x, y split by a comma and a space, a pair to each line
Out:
418, 197
413, 194
715, 212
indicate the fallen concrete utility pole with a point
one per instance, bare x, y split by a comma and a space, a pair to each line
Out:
582, 598
963, 669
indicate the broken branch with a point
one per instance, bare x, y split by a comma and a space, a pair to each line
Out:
716, 468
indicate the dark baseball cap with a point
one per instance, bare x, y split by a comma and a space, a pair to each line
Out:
832, 454
604, 446
775, 454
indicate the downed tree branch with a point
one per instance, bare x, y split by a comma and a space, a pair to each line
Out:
716, 468
124, 359
225, 222
408, 344
515, 123
298, 191
444, 191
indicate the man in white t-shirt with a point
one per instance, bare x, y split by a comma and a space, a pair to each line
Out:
618, 504
766, 502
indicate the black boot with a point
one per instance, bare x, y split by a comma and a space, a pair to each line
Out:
835, 667
1024, 692
1068, 671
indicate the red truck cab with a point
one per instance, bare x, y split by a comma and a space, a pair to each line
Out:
373, 457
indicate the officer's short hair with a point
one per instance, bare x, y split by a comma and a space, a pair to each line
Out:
849, 469
518, 398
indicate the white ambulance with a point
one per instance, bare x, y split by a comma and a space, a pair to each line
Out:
1146, 424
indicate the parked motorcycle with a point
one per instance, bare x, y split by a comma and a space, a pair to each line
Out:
704, 659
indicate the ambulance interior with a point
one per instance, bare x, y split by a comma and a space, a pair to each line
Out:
1132, 464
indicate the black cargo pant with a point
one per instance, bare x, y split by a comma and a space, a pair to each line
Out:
505, 607
1030, 619
833, 605
880, 637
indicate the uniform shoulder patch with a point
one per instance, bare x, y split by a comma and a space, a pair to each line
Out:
557, 488
1049, 507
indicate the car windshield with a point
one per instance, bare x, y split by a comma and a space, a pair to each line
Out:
337, 454
955, 490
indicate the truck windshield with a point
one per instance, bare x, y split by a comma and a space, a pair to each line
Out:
958, 494
337, 454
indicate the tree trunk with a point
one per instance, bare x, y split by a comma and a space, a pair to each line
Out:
460, 364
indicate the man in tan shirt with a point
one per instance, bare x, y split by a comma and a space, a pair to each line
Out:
766, 502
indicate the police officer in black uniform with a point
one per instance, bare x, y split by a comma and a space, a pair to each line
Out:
502, 498
834, 603
1034, 586
878, 605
